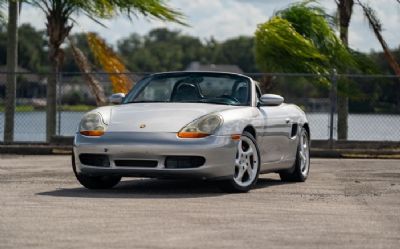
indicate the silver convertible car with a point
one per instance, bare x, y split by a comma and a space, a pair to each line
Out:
207, 125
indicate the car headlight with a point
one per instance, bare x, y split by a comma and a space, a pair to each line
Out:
201, 127
93, 125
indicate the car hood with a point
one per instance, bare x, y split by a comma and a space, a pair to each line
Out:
158, 117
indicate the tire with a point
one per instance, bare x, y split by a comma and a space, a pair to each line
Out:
247, 166
301, 168
95, 182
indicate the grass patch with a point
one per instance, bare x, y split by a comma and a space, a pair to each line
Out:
20, 108
77, 108
67, 108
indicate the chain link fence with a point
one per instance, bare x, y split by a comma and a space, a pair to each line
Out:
374, 103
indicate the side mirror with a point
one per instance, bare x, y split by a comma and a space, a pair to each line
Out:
271, 100
117, 98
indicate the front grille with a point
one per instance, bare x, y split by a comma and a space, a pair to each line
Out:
136, 163
184, 162
97, 160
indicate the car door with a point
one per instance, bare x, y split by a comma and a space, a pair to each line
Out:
276, 133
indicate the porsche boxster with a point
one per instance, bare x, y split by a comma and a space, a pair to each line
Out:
207, 125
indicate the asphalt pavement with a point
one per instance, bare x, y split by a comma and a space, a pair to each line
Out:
346, 203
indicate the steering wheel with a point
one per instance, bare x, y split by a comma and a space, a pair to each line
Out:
229, 97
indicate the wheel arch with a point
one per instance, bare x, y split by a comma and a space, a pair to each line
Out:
250, 129
307, 127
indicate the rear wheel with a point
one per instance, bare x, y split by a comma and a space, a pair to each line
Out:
247, 166
301, 167
95, 182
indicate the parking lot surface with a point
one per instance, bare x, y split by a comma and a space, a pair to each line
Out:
346, 203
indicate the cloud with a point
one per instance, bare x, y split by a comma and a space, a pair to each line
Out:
223, 19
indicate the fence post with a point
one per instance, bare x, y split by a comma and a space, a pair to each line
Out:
59, 104
333, 105
12, 62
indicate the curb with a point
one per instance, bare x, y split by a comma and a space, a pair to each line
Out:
36, 149
355, 153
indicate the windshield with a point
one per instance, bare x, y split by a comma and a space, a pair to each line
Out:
215, 88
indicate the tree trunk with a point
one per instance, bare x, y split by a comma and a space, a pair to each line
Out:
12, 63
388, 54
345, 9
58, 30
93, 84
51, 108
390, 59
377, 29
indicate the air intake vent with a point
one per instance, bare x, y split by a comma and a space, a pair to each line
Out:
136, 163
294, 130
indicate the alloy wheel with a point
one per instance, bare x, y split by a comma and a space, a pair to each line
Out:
246, 162
304, 154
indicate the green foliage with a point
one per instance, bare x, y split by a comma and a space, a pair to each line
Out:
101, 9
31, 49
279, 48
19, 108
165, 50
236, 51
314, 24
160, 50
365, 63
299, 39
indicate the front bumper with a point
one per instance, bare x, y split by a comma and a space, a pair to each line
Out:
218, 151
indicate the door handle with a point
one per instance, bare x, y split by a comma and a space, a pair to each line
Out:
287, 120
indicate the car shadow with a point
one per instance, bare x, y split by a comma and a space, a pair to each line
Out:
155, 188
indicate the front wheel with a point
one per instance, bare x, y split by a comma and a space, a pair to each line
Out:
95, 182
301, 167
247, 166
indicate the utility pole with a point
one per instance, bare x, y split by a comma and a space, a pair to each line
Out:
12, 63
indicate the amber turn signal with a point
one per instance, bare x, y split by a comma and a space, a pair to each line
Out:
235, 136
92, 133
192, 134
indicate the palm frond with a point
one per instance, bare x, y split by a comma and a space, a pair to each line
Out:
106, 9
370, 14
376, 26
85, 67
111, 63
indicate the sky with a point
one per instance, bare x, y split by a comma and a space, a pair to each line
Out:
224, 19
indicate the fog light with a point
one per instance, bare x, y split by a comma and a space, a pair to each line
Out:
97, 160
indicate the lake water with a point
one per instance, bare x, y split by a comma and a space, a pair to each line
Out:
31, 126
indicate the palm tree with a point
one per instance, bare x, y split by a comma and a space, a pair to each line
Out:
345, 10
59, 15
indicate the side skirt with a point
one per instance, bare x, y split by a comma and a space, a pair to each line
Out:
276, 166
